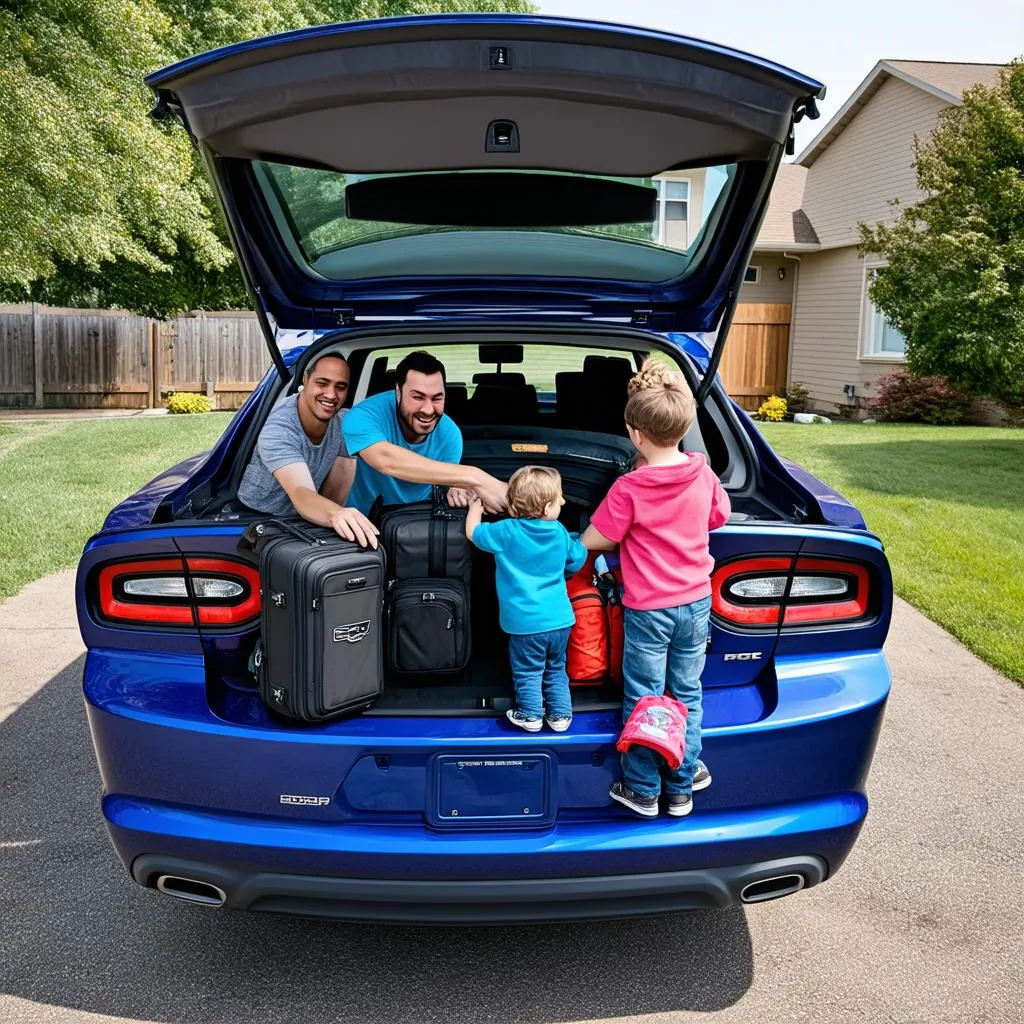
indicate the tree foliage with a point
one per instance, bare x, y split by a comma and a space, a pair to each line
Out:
954, 280
99, 205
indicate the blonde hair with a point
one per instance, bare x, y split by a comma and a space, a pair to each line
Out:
531, 489
660, 405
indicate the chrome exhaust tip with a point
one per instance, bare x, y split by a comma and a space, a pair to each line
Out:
772, 888
191, 890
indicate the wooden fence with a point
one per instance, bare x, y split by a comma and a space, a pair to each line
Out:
756, 359
86, 358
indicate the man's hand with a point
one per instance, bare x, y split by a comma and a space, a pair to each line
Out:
351, 524
492, 493
460, 497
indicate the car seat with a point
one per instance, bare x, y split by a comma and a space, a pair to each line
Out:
502, 379
570, 399
606, 379
501, 403
456, 401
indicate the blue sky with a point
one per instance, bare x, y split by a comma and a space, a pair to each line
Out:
837, 43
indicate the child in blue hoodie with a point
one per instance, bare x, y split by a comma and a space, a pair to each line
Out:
533, 551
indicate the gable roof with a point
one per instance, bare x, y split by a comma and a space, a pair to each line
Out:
785, 225
945, 80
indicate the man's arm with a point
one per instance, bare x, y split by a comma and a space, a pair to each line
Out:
349, 523
393, 460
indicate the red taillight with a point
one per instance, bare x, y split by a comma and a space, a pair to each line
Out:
225, 611
729, 604
755, 592
178, 592
818, 594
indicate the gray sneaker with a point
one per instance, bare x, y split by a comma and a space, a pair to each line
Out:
516, 717
701, 777
679, 806
645, 806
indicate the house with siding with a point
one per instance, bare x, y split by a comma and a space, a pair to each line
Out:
837, 344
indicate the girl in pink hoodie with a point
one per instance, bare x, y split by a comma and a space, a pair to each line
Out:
659, 517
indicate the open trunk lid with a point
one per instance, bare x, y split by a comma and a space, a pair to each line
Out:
433, 166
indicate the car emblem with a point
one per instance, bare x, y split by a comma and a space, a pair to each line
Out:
353, 632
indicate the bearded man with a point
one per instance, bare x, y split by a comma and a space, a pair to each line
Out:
405, 444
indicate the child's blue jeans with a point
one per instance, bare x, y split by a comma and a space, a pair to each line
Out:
538, 671
664, 652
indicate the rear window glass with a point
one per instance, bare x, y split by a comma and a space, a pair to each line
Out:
310, 208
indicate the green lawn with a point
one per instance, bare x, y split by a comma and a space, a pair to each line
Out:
948, 502
59, 479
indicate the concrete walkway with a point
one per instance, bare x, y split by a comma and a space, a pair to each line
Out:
38, 636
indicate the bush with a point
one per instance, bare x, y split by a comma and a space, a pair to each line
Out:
797, 397
188, 402
772, 409
902, 396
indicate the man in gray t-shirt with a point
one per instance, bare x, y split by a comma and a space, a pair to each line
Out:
301, 464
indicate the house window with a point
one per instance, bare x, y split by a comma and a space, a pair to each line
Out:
673, 212
752, 275
878, 338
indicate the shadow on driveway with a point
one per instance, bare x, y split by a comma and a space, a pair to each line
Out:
76, 932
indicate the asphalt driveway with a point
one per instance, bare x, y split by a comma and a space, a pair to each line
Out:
924, 923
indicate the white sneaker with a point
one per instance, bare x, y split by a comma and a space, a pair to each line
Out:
559, 723
516, 717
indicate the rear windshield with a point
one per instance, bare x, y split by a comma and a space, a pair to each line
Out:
312, 211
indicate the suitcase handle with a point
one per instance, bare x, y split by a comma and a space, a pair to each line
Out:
256, 531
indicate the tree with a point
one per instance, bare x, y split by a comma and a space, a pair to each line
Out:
98, 203
954, 280
85, 178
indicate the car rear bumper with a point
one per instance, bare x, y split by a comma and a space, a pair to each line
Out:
185, 788
477, 902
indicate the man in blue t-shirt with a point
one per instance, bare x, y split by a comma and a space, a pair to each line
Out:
405, 444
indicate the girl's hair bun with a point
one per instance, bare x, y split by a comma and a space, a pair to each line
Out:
655, 375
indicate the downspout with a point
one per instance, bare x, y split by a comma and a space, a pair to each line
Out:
792, 316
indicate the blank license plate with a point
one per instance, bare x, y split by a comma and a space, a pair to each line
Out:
474, 791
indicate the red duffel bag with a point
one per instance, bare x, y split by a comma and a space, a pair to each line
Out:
658, 723
586, 657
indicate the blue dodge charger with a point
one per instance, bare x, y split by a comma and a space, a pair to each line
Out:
542, 203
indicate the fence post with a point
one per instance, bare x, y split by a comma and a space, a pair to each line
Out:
37, 353
211, 357
154, 366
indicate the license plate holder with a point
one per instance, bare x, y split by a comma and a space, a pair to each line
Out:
488, 791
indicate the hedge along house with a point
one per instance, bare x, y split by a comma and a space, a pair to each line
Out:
806, 268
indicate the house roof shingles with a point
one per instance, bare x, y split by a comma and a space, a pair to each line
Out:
785, 223
952, 79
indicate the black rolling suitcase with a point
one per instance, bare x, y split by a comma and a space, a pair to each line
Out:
426, 539
322, 611
429, 563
